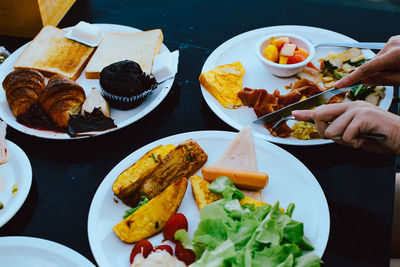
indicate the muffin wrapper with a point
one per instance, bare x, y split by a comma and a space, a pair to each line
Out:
123, 102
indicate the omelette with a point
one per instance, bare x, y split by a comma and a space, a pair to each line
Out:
224, 83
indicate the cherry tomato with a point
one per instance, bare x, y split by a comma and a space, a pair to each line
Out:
144, 246
183, 254
175, 223
296, 58
167, 248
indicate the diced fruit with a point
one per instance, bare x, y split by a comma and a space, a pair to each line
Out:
167, 248
176, 222
288, 50
296, 58
144, 247
303, 52
183, 254
271, 53
278, 41
283, 59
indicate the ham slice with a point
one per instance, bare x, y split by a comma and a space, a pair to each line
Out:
241, 155
3, 149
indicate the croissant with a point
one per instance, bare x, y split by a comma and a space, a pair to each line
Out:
22, 89
61, 98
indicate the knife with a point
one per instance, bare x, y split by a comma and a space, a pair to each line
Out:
313, 101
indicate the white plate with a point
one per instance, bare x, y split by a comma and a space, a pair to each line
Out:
289, 181
121, 118
16, 171
22, 251
241, 48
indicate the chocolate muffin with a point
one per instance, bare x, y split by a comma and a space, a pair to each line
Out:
124, 85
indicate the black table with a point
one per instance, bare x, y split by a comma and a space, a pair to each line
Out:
359, 186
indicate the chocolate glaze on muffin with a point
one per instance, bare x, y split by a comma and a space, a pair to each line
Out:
125, 85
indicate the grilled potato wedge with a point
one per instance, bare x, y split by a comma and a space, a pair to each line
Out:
131, 179
151, 218
203, 196
183, 161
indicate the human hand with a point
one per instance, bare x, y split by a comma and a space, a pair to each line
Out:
383, 69
346, 123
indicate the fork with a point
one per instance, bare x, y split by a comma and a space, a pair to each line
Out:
285, 119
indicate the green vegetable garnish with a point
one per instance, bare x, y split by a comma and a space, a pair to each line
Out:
154, 157
157, 225
359, 92
187, 148
359, 63
143, 200
230, 234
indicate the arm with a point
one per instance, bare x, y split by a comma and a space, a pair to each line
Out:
345, 123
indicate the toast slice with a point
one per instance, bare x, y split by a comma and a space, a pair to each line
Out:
51, 53
140, 47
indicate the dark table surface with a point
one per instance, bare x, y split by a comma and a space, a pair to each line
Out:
359, 186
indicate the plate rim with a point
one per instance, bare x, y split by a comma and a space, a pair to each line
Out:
47, 245
101, 191
17, 154
164, 88
215, 105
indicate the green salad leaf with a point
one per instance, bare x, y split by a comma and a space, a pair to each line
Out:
230, 234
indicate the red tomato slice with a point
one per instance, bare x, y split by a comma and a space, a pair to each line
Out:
321, 66
183, 254
143, 246
166, 248
175, 223
296, 58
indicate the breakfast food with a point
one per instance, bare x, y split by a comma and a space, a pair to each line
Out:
157, 169
125, 85
244, 235
305, 131
129, 180
140, 47
224, 83
95, 100
281, 50
22, 88
3, 149
203, 196
151, 218
51, 53
241, 155
61, 98
183, 161
245, 179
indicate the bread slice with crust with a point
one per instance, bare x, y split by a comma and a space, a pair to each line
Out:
140, 47
51, 53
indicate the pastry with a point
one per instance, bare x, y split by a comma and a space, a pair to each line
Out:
124, 85
61, 98
22, 89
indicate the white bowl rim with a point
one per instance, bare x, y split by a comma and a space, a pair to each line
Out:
310, 47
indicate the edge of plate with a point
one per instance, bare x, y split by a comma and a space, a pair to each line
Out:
164, 90
213, 105
95, 204
23, 189
48, 245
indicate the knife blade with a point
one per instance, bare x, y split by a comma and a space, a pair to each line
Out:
313, 101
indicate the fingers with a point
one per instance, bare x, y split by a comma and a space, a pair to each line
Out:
375, 65
383, 78
303, 115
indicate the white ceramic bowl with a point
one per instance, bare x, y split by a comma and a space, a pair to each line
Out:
284, 70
